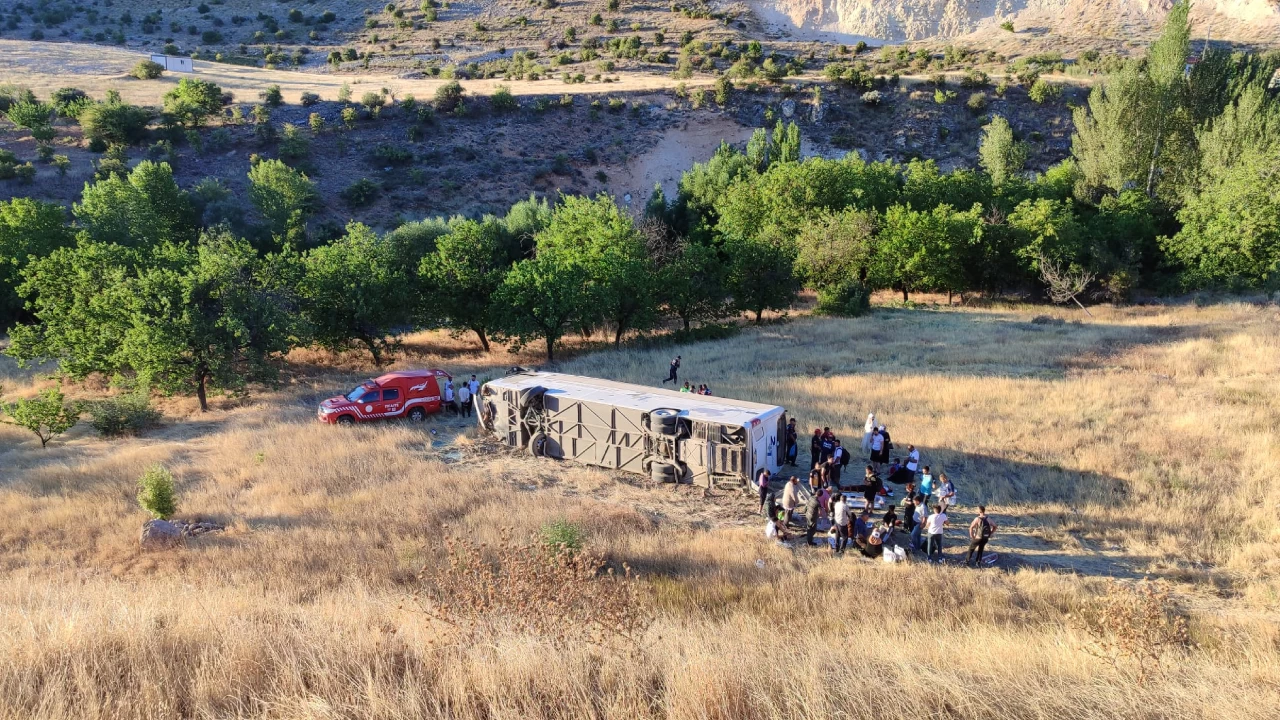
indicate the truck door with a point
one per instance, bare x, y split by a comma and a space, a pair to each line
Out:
392, 403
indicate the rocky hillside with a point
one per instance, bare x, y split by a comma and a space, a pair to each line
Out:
1246, 21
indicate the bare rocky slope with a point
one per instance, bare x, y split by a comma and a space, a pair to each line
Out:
1245, 21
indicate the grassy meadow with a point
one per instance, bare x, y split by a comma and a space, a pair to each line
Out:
1141, 442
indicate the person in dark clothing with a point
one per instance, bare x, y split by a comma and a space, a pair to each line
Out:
793, 442
675, 367
838, 461
771, 509
980, 531
815, 448
909, 511
811, 508
762, 482
826, 445
891, 516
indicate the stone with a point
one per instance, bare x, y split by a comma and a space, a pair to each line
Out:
788, 107
159, 534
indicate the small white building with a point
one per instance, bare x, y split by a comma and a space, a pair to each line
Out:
174, 63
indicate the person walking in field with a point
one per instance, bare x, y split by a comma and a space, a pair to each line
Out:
791, 498
464, 398
980, 531
675, 368
933, 527
918, 517
867, 429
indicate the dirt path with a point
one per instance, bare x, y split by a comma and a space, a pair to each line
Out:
47, 66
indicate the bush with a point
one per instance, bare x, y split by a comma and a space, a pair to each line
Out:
30, 115
561, 536
502, 100
872, 98
977, 103
849, 298
361, 192
147, 70
1042, 92
308, 99
372, 100
124, 415
210, 37
448, 96
26, 173
1007, 26
392, 155
975, 79
47, 415
272, 96
156, 493
70, 102
11, 95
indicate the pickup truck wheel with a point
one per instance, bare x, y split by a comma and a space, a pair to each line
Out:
417, 414
346, 420
537, 444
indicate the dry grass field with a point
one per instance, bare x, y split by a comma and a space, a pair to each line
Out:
1139, 443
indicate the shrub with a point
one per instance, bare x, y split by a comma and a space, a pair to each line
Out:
977, 103
561, 536
210, 37
1001, 88
307, 99
502, 100
344, 92
44, 153
30, 114
70, 102
148, 70
391, 155
156, 492
47, 415
361, 192
11, 95
975, 79
1042, 92
293, 144
872, 98
129, 414
849, 298
372, 100
61, 162
316, 122
25, 173
349, 116
1007, 26
448, 96
272, 96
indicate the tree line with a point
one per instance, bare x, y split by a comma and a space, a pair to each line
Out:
1171, 185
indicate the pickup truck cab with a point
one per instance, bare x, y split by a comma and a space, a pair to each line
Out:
404, 393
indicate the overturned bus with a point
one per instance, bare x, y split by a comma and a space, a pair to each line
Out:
670, 436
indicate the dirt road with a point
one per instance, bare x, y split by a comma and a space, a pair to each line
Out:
47, 66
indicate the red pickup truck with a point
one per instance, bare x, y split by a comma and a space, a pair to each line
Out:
404, 393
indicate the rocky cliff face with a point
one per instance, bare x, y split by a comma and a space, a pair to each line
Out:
900, 20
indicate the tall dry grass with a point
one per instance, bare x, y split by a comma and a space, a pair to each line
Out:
1140, 443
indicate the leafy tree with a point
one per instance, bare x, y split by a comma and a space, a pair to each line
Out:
352, 293
543, 295
465, 271
606, 241
156, 493
925, 186
115, 123
28, 229
836, 247
999, 154
192, 101
205, 316
692, 285
146, 208
760, 275
924, 249
1049, 228
704, 183
285, 197
30, 115
47, 415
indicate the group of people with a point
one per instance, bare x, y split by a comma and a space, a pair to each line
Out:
458, 400
827, 501
700, 390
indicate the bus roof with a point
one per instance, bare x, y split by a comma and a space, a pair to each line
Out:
707, 408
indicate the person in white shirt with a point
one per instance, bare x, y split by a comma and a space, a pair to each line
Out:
866, 432
464, 398
448, 397
473, 385
840, 518
933, 527
946, 493
877, 447
913, 460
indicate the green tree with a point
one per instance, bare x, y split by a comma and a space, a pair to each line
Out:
692, 285
30, 115
760, 272
835, 248
146, 208
464, 272
1051, 229
285, 197
47, 415
999, 154
114, 123
192, 101
543, 295
924, 249
606, 241
352, 293
206, 316
28, 229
